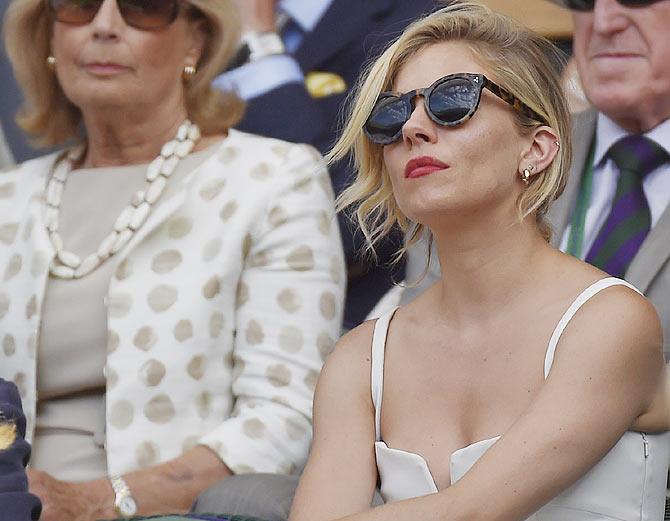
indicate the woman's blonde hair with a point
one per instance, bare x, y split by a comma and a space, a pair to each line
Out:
521, 61
52, 119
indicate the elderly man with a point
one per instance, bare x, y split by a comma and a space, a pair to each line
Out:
615, 211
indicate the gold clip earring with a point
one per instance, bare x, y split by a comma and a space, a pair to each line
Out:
189, 72
51, 62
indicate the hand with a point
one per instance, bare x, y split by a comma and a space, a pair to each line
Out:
62, 500
257, 15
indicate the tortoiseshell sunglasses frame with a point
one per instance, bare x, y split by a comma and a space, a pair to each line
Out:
478, 80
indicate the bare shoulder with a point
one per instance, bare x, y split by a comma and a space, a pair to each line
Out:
348, 366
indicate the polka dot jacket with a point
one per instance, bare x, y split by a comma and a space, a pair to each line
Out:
222, 349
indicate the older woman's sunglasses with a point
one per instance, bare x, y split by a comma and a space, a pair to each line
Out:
450, 101
587, 5
140, 14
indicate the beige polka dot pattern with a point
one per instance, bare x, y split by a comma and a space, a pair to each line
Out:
8, 232
216, 323
311, 379
112, 341
211, 288
179, 227
8, 345
196, 367
28, 228
183, 330
228, 154
4, 305
147, 454
291, 339
261, 172
324, 222
112, 377
166, 261
121, 414
13, 267
301, 259
328, 305
289, 300
296, 430
203, 404
151, 373
145, 338
211, 189
159, 409
31, 307
189, 443
325, 344
162, 297
254, 428
279, 375
254, 333
242, 295
7, 190
123, 270
119, 304
228, 211
20, 382
277, 216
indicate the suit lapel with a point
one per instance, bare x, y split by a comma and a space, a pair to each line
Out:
559, 214
343, 21
653, 254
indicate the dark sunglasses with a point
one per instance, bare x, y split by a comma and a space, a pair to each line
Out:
140, 14
587, 5
450, 101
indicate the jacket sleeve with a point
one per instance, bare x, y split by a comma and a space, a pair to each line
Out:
289, 309
16, 504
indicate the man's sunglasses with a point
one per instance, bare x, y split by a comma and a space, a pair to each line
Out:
140, 14
450, 101
587, 5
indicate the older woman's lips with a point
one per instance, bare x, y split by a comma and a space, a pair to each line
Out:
423, 166
105, 69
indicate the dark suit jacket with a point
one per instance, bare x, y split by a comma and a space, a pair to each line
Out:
16, 504
650, 269
350, 33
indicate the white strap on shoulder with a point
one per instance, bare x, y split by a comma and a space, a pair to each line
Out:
582, 299
377, 362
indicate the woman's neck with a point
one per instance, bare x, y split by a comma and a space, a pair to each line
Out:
117, 137
485, 267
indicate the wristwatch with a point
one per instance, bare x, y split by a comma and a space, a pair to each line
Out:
124, 502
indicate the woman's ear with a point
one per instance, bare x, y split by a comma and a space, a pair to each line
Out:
544, 145
198, 42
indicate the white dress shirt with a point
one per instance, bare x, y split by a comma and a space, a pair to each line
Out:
656, 184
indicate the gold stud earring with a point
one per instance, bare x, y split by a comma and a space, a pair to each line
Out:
51, 62
557, 143
525, 176
189, 72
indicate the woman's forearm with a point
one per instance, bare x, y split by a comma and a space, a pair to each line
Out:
170, 487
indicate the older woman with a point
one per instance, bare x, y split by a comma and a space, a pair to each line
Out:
521, 385
170, 286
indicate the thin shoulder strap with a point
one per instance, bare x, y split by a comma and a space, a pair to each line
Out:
377, 362
582, 299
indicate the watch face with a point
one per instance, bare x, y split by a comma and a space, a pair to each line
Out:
127, 506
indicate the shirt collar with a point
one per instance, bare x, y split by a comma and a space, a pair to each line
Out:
306, 13
608, 132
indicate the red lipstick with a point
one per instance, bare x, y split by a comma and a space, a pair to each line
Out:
422, 166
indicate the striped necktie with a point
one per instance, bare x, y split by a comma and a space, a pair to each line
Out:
629, 220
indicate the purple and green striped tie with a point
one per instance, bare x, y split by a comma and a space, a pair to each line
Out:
629, 220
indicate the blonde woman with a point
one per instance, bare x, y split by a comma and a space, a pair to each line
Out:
15, 501
170, 286
525, 384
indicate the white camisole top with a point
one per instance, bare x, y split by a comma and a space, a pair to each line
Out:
628, 484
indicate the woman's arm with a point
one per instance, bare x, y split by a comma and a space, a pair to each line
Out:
607, 369
341, 472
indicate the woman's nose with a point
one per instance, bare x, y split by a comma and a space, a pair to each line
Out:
419, 128
108, 20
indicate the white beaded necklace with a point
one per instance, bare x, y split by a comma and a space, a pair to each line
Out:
68, 265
